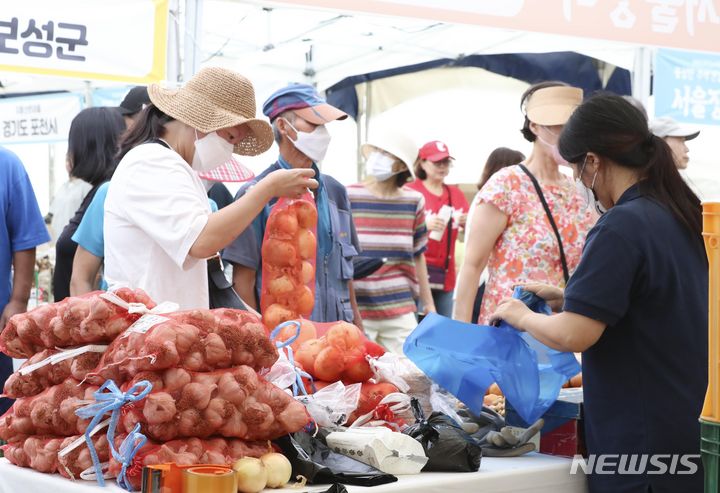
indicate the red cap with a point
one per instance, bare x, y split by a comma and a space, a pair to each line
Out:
434, 151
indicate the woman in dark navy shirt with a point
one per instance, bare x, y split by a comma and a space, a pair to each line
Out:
636, 306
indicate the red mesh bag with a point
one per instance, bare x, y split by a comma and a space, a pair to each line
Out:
27, 385
52, 412
234, 403
73, 321
195, 340
340, 354
42, 453
370, 396
186, 452
288, 261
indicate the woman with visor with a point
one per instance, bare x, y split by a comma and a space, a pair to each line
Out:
529, 222
636, 306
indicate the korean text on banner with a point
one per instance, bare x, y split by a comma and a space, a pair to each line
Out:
38, 119
687, 86
683, 24
123, 40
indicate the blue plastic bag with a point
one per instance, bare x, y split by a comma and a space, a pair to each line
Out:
466, 359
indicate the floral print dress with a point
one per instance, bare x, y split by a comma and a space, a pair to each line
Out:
527, 251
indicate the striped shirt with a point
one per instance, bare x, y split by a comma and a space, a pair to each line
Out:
393, 229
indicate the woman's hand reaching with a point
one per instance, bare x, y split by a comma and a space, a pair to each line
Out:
290, 183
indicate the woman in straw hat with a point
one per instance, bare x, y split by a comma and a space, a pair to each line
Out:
512, 230
390, 222
158, 225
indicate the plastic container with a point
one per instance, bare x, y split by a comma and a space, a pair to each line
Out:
711, 234
710, 450
386, 450
445, 213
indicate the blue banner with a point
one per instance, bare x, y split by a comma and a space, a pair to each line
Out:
686, 86
109, 96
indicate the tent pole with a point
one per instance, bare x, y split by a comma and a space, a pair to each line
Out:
173, 44
193, 35
88, 94
642, 75
358, 141
51, 173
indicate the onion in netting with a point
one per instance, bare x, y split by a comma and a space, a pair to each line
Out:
278, 469
251, 475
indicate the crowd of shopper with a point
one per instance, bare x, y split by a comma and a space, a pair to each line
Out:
597, 220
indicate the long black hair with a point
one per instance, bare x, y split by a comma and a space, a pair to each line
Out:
610, 126
150, 125
92, 143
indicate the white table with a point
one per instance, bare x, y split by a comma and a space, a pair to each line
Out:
533, 473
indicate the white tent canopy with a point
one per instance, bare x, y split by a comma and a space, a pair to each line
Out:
274, 44
281, 44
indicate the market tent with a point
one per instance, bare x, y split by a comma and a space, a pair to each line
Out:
392, 87
276, 45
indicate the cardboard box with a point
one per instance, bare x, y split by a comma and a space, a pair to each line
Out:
563, 432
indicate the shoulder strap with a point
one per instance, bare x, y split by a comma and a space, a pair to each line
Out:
563, 261
448, 228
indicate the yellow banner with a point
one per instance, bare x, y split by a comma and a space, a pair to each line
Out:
119, 40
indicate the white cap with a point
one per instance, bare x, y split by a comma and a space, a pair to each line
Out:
667, 127
394, 141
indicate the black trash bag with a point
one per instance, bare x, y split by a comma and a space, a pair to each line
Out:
448, 447
312, 458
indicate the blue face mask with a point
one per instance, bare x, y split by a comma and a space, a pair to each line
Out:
588, 193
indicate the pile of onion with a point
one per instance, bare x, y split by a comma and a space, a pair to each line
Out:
272, 470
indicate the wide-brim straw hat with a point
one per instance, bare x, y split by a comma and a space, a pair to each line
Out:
216, 98
553, 105
394, 142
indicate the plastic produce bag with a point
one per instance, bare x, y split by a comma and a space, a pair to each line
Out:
389, 412
448, 447
466, 359
312, 458
288, 261
282, 374
371, 394
332, 405
388, 368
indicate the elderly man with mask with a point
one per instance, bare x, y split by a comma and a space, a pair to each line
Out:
299, 116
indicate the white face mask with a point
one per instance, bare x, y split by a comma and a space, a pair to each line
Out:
210, 152
313, 144
379, 165
588, 193
553, 148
